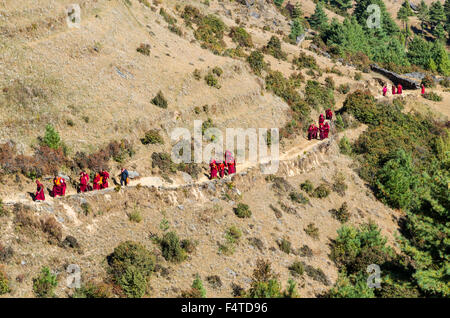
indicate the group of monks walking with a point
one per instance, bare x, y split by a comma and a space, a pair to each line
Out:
324, 127
396, 90
217, 168
59, 184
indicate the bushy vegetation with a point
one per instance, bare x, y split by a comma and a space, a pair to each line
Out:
305, 61
273, 48
298, 197
152, 137
322, 191
242, 210
312, 231
45, 284
317, 96
93, 290
159, 100
197, 290
433, 96
144, 49
241, 37
342, 214
210, 29
4, 283
130, 266
405, 158
265, 283
256, 62
171, 248
307, 186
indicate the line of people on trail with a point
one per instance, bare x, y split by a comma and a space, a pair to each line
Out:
324, 127
217, 168
399, 90
59, 184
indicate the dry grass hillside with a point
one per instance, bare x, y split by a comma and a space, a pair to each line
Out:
94, 87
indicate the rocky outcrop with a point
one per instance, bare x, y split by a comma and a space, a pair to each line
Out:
396, 78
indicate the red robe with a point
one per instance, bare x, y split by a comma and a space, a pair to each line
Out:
105, 176
221, 169
399, 89
59, 187
384, 91
213, 167
231, 167
329, 114
321, 119
40, 195
315, 132
311, 131
84, 181
326, 128
393, 90
321, 132
423, 89
96, 184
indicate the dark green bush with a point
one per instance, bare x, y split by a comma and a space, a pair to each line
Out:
243, 211
241, 37
322, 191
297, 268
4, 283
45, 284
342, 214
273, 48
171, 248
284, 245
305, 61
211, 80
307, 186
152, 137
93, 290
256, 62
433, 96
312, 231
298, 197
317, 96
159, 100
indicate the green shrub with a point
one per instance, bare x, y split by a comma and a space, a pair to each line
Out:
144, 49
298, 197
218, 71
128, 259
322, 191
428, 81
344, 146
211, 80
445, 83
93, 290
241, 37
339, 184
51, 138
433, 96
285, 245
273, 48
4, 283
312, 231
358, 76
197, 289
342, 214
210, 31
152, 137
135, 216
45, 284
171, 248
297, 268
305, 61
344, 88
242, 211
329, 82
307, 186
318, 97
163, 161
159, 100
133, 282
233, 234
362, 105
256, 62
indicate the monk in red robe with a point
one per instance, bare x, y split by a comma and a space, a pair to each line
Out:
326, 128
329, 114
399, 89
40, 195
97, 182
221, 169
384, 90
105, 177
315, 131
59, 187
311, 131
84, 181
321, 131
423, 89
214, 168
393, 89
231, 166
321, 119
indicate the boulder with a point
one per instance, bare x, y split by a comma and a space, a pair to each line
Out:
396, 78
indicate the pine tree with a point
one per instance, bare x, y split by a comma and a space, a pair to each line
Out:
423, 14
319, 19
343, 5
403, 14
437, 14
